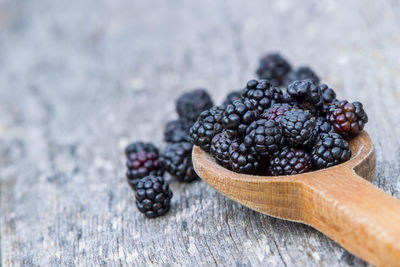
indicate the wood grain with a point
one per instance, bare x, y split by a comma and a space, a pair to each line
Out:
336, 201
78, 78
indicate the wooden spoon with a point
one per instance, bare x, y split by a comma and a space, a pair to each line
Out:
336, 201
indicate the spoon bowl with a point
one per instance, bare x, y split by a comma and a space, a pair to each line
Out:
339, 201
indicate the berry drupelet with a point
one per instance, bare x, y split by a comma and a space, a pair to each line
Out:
274, 68
177, 131
220, 147
276, 111
347, 118
191, 104
153, 196
262, 93
177, 161
297, 126
240, 114
242, 160
328, 94
232, 96
321, 126
307, 94
302, 73
142, 160
263, 137
330, 149
208, 124
288, 161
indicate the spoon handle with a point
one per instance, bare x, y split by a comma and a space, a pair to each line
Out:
359, 216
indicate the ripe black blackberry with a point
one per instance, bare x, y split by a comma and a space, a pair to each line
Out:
276, 111
177, 131
288, 161
232, 96
274, 68
297, 126
239, 114
262, 93
153, 196
263, 137
328, 94
242, 160
220, 147
347, 118
208, 124
191, 104
321, 126
307, 94
142, 160
302, 73
177, 160
330, 149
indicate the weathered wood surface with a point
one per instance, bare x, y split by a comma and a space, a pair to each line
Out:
80, 79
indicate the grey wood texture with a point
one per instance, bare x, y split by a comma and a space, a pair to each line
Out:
80, 79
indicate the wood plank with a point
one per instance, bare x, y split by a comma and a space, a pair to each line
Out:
78, 80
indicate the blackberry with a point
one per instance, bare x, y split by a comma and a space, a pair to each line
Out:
239, 114
262, 93
306, 93
142, 160
140, 146
328, 94
276, 111
232, 96
321, 126
177, 131
297, 126
264, 137
191, 104
220, 147
177, 160
330, 149
288, 161
274, 68
347, 118
207, 126
153, 196
242, 160
302, 73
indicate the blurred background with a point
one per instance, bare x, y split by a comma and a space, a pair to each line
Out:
79, 80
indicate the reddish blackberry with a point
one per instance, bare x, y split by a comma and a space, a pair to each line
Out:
306, 93
177, 131
242, 160
288, 161
330, 149
239, 114
220, 147
153, 196
302, 73
297, 126
264, 137
348, 119
274, 68
262, 93
177, 160
232, 96
142, 160
207, 126
276, 111
191, 104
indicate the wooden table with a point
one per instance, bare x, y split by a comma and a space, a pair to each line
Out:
80, 79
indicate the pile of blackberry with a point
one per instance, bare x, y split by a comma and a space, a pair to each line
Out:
264, 129
146, 166
274, 131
